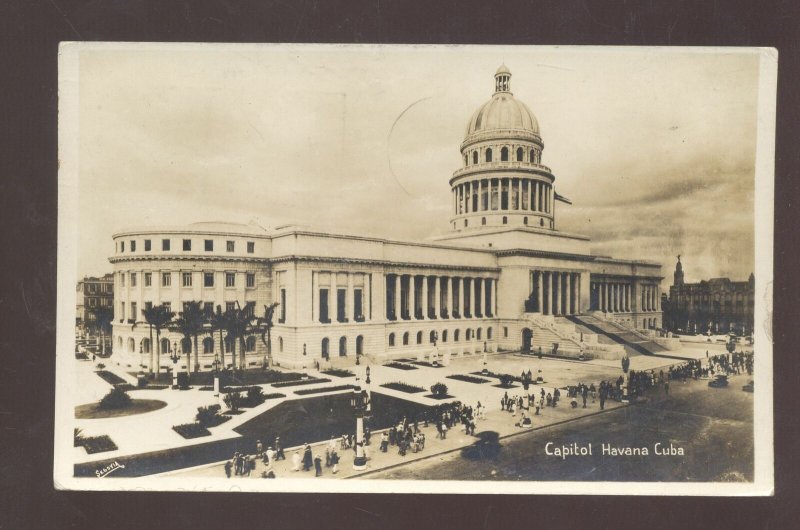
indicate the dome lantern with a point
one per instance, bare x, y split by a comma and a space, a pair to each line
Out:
502, 79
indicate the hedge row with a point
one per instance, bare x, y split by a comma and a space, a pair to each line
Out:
301, 382
404, 387
307, 391
468, 378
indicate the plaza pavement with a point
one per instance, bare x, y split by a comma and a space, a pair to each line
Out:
153, 431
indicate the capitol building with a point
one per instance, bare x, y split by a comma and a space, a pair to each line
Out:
504, 278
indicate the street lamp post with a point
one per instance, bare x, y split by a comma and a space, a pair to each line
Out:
175, 356
216, 364
359, 402
626, 363
485, 370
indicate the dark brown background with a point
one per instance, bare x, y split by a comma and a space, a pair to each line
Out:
29, 34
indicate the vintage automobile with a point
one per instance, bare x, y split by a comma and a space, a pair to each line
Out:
719, 381
748, 387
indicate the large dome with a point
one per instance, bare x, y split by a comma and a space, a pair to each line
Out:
502, 111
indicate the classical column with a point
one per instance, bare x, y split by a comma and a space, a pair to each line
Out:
472, 294
412, 296
333, 300
366, 297
493, 297
462, 300
397, 284
351, 295
577, 293
314, 296
539, 290
437, 297
628, 298
425, 298
616, 298
556, 293
479, 289
570, 294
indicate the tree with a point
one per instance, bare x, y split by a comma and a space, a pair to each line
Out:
103, 316
265, 324
191, 324
218, 321
157, 317
239, 326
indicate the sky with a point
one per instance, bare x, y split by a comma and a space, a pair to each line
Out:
656, 150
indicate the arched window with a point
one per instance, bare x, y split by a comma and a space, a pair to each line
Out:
488, 333
432, 337
524, 220
342, 346
465, 222
165, 346
145, 345
489, 155
474, 157
280, 344
444, 336
186, 345
131, 345
360, 345
391, 339
326, 345
208, 345
541, 222
419, 337
479, 334
455, 335
468, 334
483, 221
405, 338
119, 343
531, 157
250, 344
504, 154
520, 154
505, 220
229, 343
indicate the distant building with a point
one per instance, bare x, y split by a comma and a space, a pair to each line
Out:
92, 293
718, 305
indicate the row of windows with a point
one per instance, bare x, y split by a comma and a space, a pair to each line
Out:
208, 309
166, 244
186, 279
433, 336
533, 156
208, 345
505, 222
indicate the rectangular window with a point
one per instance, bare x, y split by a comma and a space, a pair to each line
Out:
122, 279
133, 310
187, 279
251, 279
229, 246
122, 246
122, 311
209, 245
187, 244
147, 245
208, 308
358, 310
341, 305
167, 306
166, 279
133, 246
148, 305
251, 247
148, 279
165, 244
133, 279
282, 318
208, 279
230, 306
323, 306
230, 279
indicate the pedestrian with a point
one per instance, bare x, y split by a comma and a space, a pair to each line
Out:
367, 435
308, 459
246, 465
327, 457
296, 461
270, 456
259, 448
228, 466
279, 449
318, 466
335, 462
585, 395
384, 442
666, 387
444, 431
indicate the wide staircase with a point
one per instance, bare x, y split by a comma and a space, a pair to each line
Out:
608, 332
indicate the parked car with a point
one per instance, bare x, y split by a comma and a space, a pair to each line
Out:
748, 387
719, 381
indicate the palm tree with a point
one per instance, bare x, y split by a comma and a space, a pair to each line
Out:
103, 316
218, 321
191, 324
265, 324
158, 317
239, 326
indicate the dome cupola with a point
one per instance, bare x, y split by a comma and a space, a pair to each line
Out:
502, 181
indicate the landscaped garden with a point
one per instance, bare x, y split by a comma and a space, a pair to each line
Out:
404, 387
94, 444
400, 366
468, 379
439, 391
339, 372
115, 404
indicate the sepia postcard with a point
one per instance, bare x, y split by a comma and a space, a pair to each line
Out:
444, 269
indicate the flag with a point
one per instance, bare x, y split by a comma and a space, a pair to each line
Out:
561, 198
